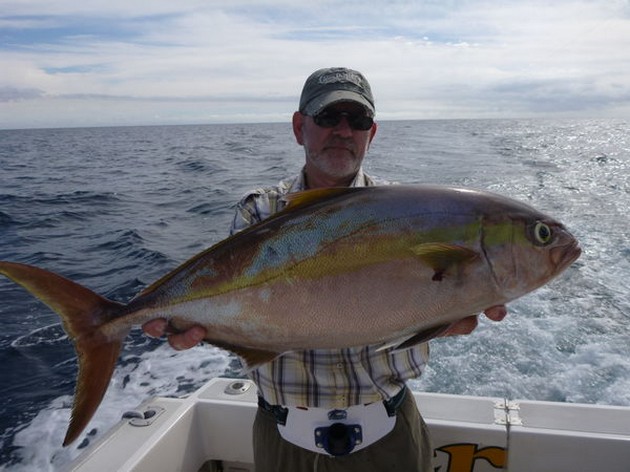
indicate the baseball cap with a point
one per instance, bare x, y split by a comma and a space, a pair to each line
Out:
336, 84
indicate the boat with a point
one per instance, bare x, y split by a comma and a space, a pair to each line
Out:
210, 431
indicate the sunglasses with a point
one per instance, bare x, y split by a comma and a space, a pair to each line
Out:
331, 118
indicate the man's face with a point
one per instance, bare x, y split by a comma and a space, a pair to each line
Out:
333, 154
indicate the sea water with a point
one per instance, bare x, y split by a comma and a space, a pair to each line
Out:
116, 208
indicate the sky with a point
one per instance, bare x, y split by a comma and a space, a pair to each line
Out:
66, 63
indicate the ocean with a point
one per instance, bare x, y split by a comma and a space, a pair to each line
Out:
116, 208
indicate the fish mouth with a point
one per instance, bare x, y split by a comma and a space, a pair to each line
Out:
565, 255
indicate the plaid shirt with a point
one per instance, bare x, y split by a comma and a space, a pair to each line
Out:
336, 378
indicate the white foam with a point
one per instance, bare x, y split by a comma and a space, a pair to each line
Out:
51, 334
161, 372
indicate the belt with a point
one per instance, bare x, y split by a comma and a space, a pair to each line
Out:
336, 432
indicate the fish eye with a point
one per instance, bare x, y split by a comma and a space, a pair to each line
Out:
542, 233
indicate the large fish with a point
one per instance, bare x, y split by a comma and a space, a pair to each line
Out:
390, 266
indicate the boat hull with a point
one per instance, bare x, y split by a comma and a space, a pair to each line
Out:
471, 434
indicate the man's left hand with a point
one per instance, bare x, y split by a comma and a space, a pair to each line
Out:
467, 325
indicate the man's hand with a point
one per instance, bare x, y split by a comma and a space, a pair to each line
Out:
159, 327
468, 324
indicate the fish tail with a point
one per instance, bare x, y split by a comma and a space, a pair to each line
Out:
82, 312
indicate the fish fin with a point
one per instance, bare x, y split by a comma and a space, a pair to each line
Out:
96, 367
415, 339
308, 197
82, 313
252, 358
441, 256
293, 201
393, 344
423, 336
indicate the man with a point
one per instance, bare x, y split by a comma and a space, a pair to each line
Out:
307, 397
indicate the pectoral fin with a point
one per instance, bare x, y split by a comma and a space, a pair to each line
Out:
415, 339
442, 256
423, 336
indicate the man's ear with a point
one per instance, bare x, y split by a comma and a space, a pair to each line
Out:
372, 132
298, 124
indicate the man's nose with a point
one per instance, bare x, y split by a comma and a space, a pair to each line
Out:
343, 127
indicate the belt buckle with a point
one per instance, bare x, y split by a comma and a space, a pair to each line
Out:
338, 439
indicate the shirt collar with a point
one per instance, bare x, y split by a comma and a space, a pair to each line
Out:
299, 183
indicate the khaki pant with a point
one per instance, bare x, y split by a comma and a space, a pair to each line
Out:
406, 449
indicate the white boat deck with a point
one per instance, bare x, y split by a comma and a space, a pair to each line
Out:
211, 431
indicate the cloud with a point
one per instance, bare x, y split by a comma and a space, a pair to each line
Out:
245, 58
14, 94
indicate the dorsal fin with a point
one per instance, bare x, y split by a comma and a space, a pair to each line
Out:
293, 201
309, 197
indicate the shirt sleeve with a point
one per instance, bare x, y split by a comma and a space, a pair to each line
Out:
246, 214
257, 206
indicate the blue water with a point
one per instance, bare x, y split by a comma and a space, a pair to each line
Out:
116, 208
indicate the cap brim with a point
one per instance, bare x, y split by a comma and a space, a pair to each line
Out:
319, 103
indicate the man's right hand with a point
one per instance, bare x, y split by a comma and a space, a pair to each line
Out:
159, 327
